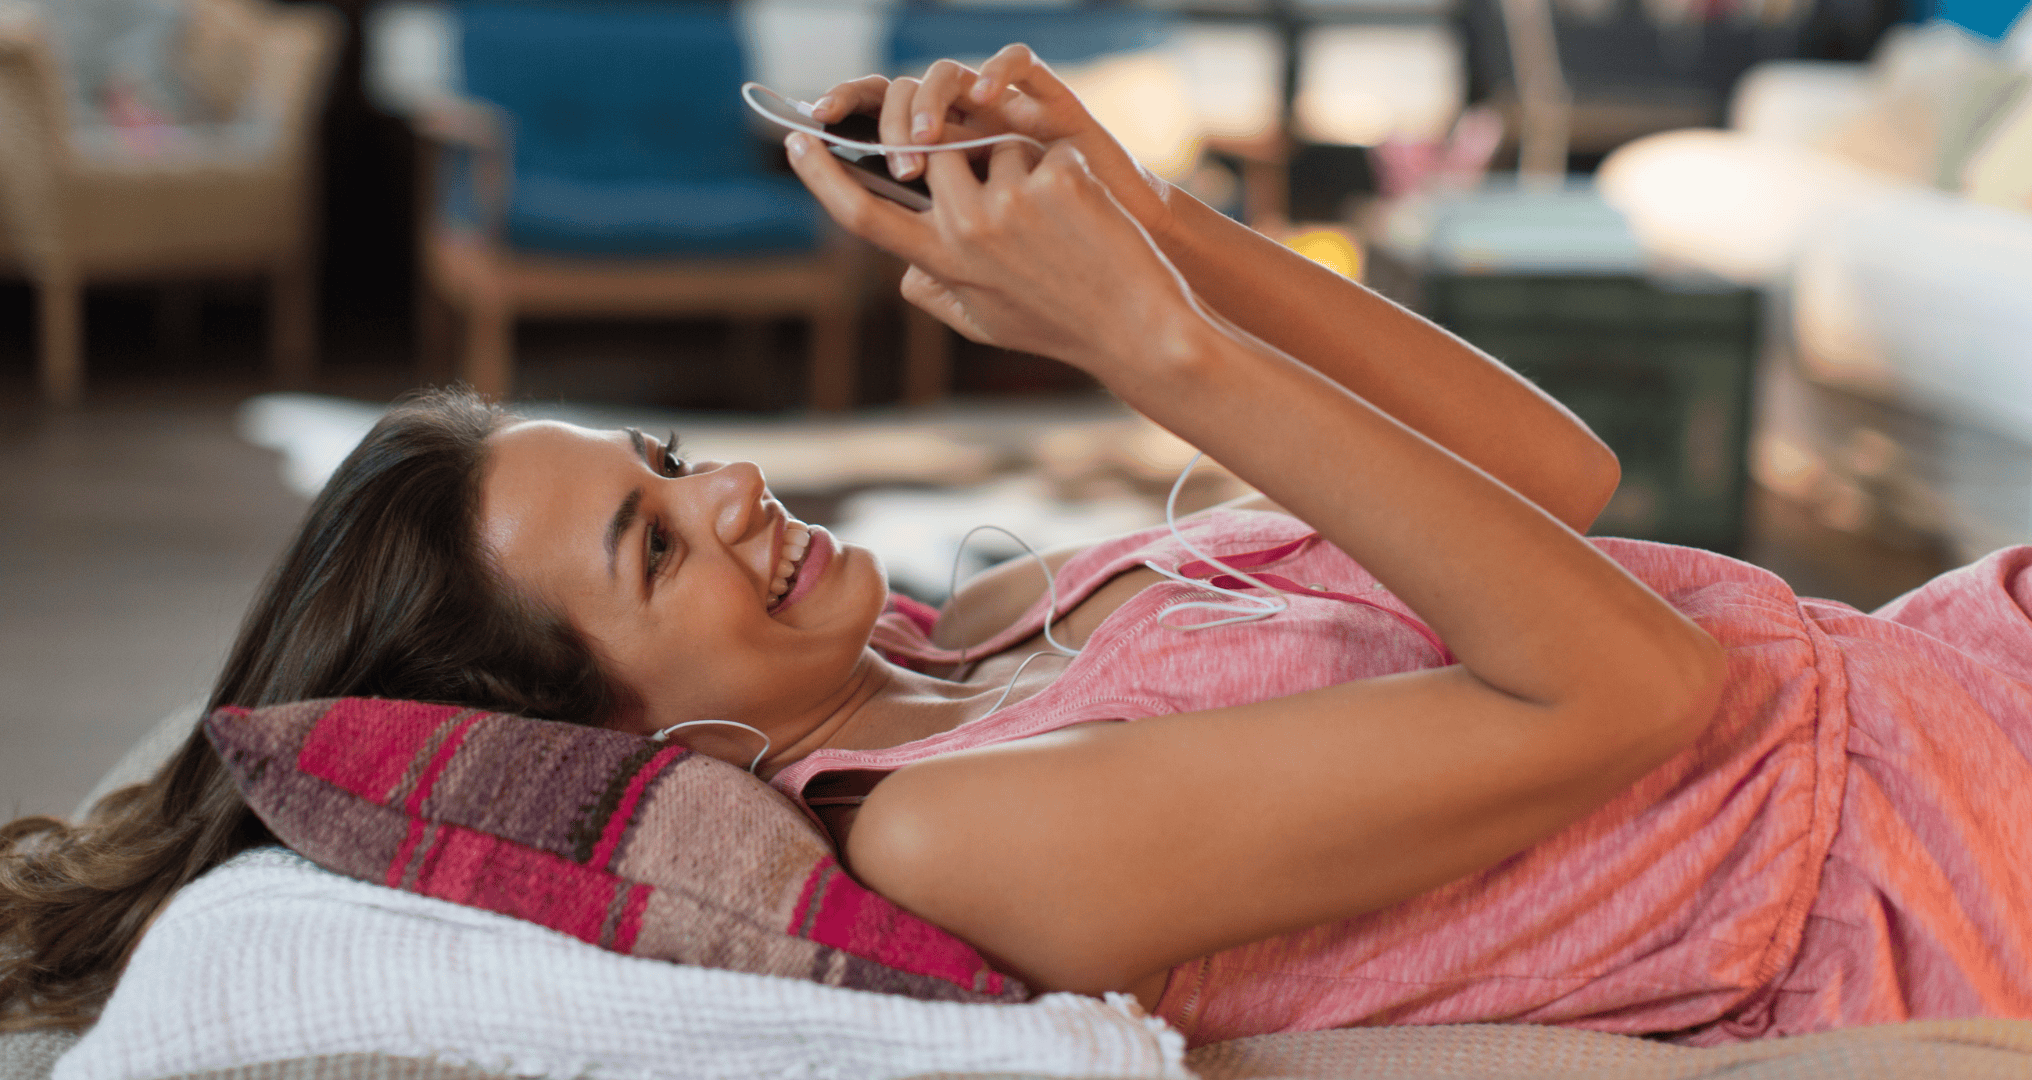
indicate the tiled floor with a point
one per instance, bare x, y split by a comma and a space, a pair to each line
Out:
134, 530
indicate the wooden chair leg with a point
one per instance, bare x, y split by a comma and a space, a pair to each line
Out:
488, 364
292, 324
60, 305
927, 357
834, 355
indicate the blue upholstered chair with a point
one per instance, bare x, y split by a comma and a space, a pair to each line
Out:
601, 164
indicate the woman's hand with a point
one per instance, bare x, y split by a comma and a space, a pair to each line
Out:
1038, 257
1013, 91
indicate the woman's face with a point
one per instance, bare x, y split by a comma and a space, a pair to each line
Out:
669, 567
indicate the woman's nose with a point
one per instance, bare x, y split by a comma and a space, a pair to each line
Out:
736, 489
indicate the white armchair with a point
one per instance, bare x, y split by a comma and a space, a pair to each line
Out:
1896, 402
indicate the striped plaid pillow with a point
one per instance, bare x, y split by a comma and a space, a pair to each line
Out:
640, 847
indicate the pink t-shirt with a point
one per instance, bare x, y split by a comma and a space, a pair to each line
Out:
1849, 842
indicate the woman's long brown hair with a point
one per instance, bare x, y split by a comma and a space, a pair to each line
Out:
384, 592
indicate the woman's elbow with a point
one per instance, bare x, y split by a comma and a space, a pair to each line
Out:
1684, 691
1597, 475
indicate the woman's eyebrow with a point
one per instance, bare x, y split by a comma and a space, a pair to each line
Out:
623, 518
625, 515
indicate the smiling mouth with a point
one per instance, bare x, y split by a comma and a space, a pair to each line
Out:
796, 545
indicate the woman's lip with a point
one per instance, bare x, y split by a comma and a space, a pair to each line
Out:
816, 560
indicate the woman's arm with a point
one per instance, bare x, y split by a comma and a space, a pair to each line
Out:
1096, 858
1442, 387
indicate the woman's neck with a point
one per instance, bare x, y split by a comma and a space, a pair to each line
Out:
889, 705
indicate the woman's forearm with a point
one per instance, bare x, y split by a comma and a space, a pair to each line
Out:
1439, 385
1526, 604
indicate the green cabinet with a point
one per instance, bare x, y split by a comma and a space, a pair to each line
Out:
1660, 368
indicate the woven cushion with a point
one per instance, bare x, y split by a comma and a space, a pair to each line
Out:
640, 847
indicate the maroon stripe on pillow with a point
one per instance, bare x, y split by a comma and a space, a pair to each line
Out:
838, 911
484, 871
618, 822
366, 745
405, 855
628, 926
812, 895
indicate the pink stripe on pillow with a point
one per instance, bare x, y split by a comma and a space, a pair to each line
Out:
485, 871
366, 745
398, 866
624, 814
849, 917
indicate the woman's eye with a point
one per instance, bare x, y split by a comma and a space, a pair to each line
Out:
672, 464
659, 549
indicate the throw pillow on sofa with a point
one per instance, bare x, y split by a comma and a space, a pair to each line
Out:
637, 846
2000, 172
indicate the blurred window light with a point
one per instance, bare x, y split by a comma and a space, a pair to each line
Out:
411, 55
802, 48
1234, 77
1122, 62
1374, 8
1143, 99
1361, 85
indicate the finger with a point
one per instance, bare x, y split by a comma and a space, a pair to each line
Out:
895, 127
1017, 66
943, 84
954, 188
1065, 169
855, 95
939, 301
1011, 163
859, 211
1005, 67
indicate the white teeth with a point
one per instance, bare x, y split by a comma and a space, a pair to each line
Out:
796, 541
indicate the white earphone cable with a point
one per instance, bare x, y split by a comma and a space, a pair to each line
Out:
751, 92
1251, 608
658, 737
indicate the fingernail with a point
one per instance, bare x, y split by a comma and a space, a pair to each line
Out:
984, 91
921, 124
911, 163
794, 143
821, 105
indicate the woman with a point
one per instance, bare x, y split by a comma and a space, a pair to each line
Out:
1576, 809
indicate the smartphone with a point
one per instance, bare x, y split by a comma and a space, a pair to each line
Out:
872, 169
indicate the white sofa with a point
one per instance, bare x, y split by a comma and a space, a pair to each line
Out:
1897, 396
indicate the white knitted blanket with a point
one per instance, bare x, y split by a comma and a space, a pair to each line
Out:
269, 957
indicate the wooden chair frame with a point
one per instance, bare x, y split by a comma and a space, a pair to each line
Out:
469, 273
